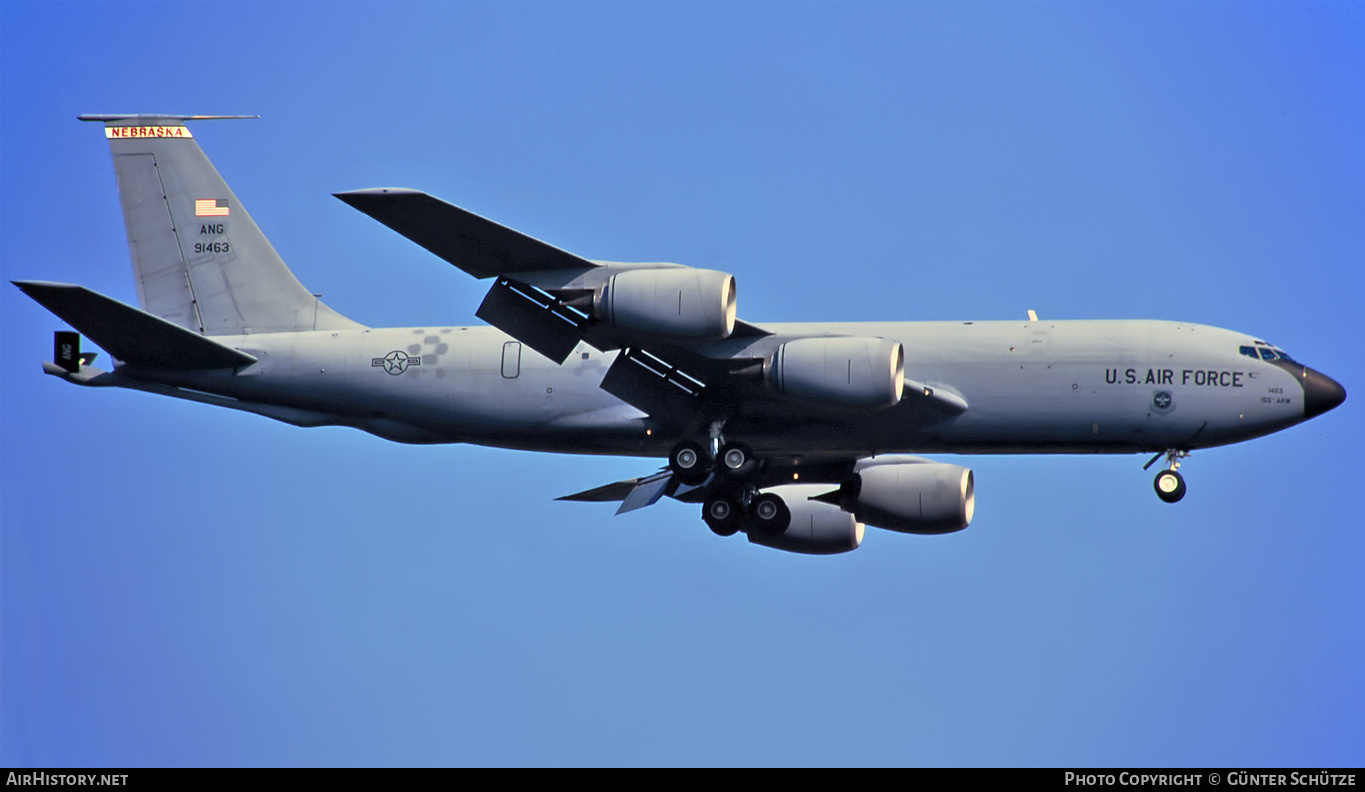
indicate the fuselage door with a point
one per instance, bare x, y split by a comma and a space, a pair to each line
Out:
511, 359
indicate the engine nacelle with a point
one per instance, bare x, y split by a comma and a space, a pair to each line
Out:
816, 528
912, 497
686, 303
849, 372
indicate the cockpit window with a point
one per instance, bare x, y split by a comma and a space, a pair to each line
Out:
1265, 352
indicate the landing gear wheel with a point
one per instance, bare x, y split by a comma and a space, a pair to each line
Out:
736, 460
688, 463
722, 516
770, 514
1169, 485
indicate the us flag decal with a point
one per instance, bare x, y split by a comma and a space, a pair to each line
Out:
211, 207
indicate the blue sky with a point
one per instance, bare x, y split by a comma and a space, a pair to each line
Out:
181, 585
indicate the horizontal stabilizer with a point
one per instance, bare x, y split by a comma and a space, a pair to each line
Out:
475, 244
154, 118
131, 335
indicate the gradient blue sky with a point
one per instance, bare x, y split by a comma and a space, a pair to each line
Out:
181, 585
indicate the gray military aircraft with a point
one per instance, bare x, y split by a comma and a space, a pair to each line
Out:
794, 434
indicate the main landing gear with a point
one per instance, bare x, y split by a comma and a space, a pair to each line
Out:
692, 463
737, 505
746, 510
1169, 484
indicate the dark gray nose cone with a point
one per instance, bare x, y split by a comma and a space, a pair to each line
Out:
1320, 393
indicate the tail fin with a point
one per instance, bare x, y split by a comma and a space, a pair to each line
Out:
200, 260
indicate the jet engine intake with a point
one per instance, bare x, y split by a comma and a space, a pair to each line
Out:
912, 497
685, 303
815, 529
844, 371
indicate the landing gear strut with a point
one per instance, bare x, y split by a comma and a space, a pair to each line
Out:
1169, 484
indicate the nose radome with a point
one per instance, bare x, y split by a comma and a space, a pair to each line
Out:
1320, 393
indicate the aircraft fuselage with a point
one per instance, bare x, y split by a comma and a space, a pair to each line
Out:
1030, 387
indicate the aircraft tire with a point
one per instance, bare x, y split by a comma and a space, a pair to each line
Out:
688, 462
736, 460
722, 516
770, 514
1169, 486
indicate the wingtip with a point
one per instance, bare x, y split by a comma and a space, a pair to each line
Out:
29, 286
375, 192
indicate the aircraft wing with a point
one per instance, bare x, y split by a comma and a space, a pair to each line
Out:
685, 358
543, 296
475, 244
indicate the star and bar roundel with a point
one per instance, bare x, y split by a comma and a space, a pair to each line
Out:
396, 362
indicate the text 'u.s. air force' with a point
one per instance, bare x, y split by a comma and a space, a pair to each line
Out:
1211, 378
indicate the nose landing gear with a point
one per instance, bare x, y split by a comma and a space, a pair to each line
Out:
1169, 484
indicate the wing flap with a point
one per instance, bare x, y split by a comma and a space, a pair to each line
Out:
647, 492
475, 244
129, 334
636, 493
607, 493
538, 321
654, 386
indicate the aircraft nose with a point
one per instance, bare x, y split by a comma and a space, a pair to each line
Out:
1320, 393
